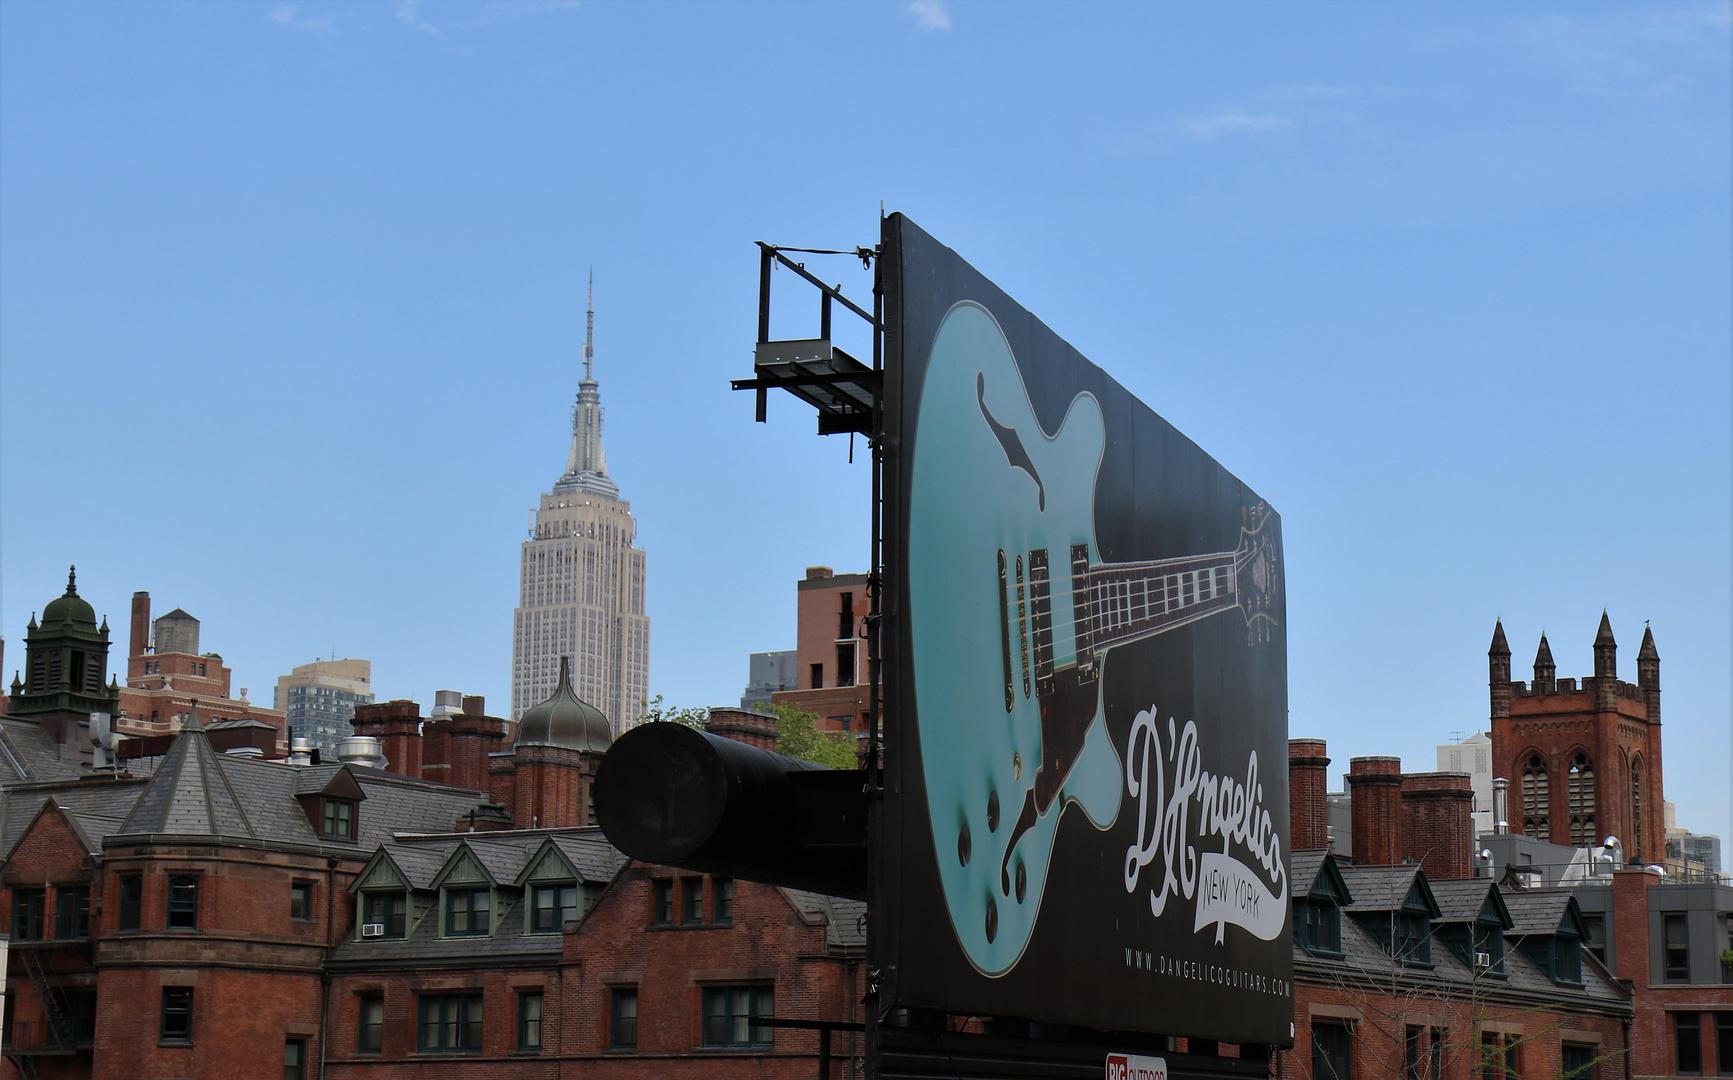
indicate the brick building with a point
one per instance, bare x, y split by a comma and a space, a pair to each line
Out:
1407, 966
166, 673
830, 651
1583, 756
193, 911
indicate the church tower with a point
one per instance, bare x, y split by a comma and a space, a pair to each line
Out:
581, 584
1583, 756
65, 676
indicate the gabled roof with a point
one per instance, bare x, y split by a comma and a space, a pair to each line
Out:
1544, 911
589, 852
844, 920
1315, 873
52, 805
1467, 900
334, 780
415, 865
1380, 889
501, 862
190, 795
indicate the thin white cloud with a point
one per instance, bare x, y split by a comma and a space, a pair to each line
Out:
512, 10
409, 14
287, 15
1642, 52
930, 14
1215, 127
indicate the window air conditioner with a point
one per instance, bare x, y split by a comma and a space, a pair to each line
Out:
1482, 960
373, 929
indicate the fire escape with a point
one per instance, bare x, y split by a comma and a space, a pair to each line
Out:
64, 1032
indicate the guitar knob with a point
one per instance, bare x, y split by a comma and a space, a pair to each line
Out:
964, 847
992, 920
1022, 882
992, 811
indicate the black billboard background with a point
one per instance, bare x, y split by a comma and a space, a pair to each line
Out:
1098, 957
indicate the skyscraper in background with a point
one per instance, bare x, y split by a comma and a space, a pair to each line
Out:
320, 698
581, 590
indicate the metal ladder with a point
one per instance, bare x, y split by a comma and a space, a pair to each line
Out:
54, 1004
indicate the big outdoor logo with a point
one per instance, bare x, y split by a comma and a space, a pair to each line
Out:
1164, 786
1013, 613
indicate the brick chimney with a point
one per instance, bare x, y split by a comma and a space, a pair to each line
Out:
1630, 929
1375, 784
1308, 813
741, 725
397, 726
140, 624
1438, 823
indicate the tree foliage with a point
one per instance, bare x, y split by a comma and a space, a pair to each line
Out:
798, 736
656, 712
797, 731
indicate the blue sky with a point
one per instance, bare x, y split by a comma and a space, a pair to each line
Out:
291, 312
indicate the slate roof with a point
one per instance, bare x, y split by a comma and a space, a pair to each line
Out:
100, 805
845, 920
1303, 867
27, 753
1461, 901
503, 860
1377, 888
419, 863
423, 943
1537, 912
590, 854
191, 794
1384, 888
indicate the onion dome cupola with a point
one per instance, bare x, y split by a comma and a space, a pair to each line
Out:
69, 608
65, 660
565, 720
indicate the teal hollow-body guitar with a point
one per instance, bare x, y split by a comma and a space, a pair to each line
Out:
1011, 615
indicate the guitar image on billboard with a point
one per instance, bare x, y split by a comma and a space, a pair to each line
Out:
1011, 617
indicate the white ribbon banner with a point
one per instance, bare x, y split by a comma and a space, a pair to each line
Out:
1229, 891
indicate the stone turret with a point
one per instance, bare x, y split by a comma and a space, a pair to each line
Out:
1545, 671
1649, 674
1606, 666
1498, 671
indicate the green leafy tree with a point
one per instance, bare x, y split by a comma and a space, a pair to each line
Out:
798, 736
656, 712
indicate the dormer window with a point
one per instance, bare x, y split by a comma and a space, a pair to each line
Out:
1412, 943
339, 819
382, 915
551, 907
466, 912
1318, 924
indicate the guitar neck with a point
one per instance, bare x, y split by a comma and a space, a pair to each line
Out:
1123, 602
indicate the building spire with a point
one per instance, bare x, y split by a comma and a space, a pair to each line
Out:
590, 328
586, 464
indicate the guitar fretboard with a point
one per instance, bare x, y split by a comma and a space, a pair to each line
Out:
1127, 601
1112, 604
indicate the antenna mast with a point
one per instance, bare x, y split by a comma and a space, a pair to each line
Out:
590, 327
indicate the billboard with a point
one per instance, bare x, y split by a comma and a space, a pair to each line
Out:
1086, 739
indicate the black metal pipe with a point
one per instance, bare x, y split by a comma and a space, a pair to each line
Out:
676, 796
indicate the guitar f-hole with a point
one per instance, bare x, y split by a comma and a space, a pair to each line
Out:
1005, 634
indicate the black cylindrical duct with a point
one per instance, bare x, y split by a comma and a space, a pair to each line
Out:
674, 795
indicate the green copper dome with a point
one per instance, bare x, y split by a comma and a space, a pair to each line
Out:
564, 720
70, 607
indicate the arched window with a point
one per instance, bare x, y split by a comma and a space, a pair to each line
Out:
1580, 798
1535, 798
1635, 846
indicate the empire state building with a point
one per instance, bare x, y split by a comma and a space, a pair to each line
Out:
581, 591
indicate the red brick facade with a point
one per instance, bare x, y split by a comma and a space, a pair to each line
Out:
1308, 781
1438, 823
831, 661
1584, 761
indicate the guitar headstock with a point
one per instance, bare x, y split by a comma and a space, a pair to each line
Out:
1257, 572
